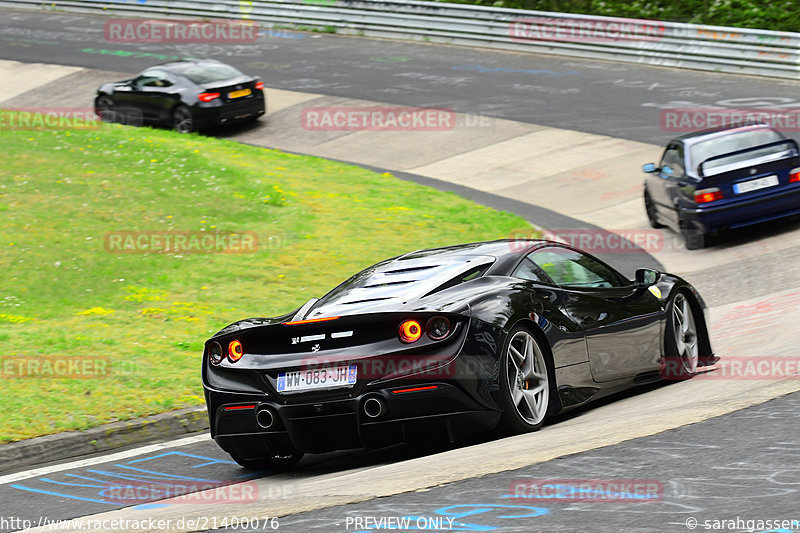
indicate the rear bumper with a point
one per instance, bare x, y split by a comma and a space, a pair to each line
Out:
226, 113
315, 427
746, 212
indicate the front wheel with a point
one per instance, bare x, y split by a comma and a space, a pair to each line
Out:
182, 120
525, 383
106, 109
650, 209
681, 340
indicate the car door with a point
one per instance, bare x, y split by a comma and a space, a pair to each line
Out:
548, 300
150, 92
621, 321
664, 184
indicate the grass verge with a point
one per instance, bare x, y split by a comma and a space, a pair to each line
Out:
82, 286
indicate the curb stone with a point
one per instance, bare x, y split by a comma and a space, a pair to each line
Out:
107, 437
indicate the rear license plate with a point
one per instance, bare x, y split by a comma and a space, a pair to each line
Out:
754, 185
239, 94
323, 378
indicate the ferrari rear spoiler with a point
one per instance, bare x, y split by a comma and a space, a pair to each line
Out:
791, 144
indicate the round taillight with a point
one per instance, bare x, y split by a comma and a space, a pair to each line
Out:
235, 351
438, 328
215, 353
410, 331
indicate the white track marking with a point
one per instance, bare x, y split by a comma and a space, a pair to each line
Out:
27, 474
17, 78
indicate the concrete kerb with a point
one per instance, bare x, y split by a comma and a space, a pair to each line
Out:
70, 444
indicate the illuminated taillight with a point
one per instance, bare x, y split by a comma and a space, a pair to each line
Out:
704, 196
215, 354
410, 331
260, 85
207, 97
794, 175
235, 351
438, 328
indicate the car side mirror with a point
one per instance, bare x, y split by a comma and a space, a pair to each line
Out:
649, 168
646, 277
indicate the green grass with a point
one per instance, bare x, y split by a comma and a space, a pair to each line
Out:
64, 296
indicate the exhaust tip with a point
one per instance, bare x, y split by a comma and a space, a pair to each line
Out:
374, 407
265, 418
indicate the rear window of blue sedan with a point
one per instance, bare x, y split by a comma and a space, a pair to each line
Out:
732, 143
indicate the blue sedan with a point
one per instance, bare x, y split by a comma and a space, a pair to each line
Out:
725, 178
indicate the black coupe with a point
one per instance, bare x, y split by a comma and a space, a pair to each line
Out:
186, 95
447, 341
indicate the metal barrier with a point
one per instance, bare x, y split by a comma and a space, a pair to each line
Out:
714, 48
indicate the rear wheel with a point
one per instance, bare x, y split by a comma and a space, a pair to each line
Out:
693, 238
525, 383
681, 339
182, 120
650, 209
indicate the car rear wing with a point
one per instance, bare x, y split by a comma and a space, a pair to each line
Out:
791, 144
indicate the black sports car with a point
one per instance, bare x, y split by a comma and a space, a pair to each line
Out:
186, 95
447, 341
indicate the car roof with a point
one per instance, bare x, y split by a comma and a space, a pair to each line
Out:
496, 248
177, 66
711, 133
413, 275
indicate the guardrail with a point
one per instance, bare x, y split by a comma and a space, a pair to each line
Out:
714, 48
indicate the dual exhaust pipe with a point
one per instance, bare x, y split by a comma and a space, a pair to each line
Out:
373, 407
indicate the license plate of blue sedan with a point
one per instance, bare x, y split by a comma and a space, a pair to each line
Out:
239, 94
323, 378
754, 185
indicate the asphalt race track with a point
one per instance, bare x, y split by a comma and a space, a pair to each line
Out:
693, 477
598, 97
717, 449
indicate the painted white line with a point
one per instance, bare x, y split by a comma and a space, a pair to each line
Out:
27, 474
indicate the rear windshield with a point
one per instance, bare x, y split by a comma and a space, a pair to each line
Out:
732, 143
209, 73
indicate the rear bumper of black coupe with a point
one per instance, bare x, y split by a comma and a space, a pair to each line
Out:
405, 412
